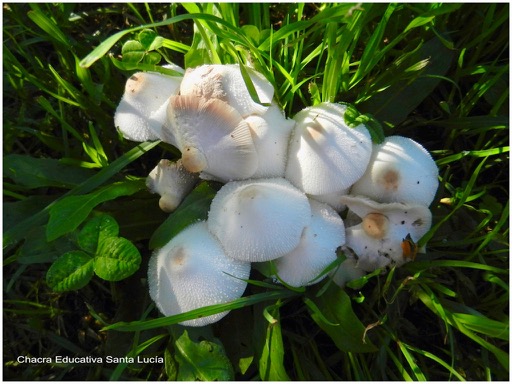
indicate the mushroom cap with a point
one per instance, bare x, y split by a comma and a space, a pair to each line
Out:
192, 271
325, 155
212, 137
270, 133
316, 250
333, 199
140, 115
400, 170
172, 182
377, 239
259, 220
225, 82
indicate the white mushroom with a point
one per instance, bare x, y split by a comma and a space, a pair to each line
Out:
346, 272
378, 240
225, 82
192, 271
271, 133
325, 155
400, 170
172, 182
333, 199
141, 113
316, 250
259, 220
212, 137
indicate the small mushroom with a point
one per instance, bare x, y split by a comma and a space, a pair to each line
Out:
141, 113
325, 155
259, 220
271, 133
213, 138
225, 82
316, 250
172, 182
400, 170
377, 241
347, 272
192, 271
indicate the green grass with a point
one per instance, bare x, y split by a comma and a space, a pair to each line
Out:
437, 73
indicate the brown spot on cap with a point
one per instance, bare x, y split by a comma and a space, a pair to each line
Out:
375, 225
390, 180
179, 257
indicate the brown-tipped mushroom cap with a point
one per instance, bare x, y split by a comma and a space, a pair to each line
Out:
212, 137
225, 82
140, 116
259, 220
316, 250
172, 182
192, 271
400, 170
325, 155
378, 239
271, 133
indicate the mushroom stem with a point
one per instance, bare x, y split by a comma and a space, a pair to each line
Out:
193, 160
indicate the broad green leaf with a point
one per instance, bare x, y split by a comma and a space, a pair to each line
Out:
36, 249
170, 366
68, 213
252, 32
116, 259
353, 118
32, 172
143, 66
150, 39
96, 230
194, 208
334, 314
271, 365
152, 58
18, 211
396, 102
71, 271
205, 360
132, 52
19, 231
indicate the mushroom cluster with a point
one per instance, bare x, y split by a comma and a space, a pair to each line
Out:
287, 185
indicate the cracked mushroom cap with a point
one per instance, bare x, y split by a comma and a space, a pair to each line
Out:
213, 138
141, 113
325, 155
400, 170
192, 271
316, 250
259, 220
271, 133
378, 240
225, 82
172, 182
